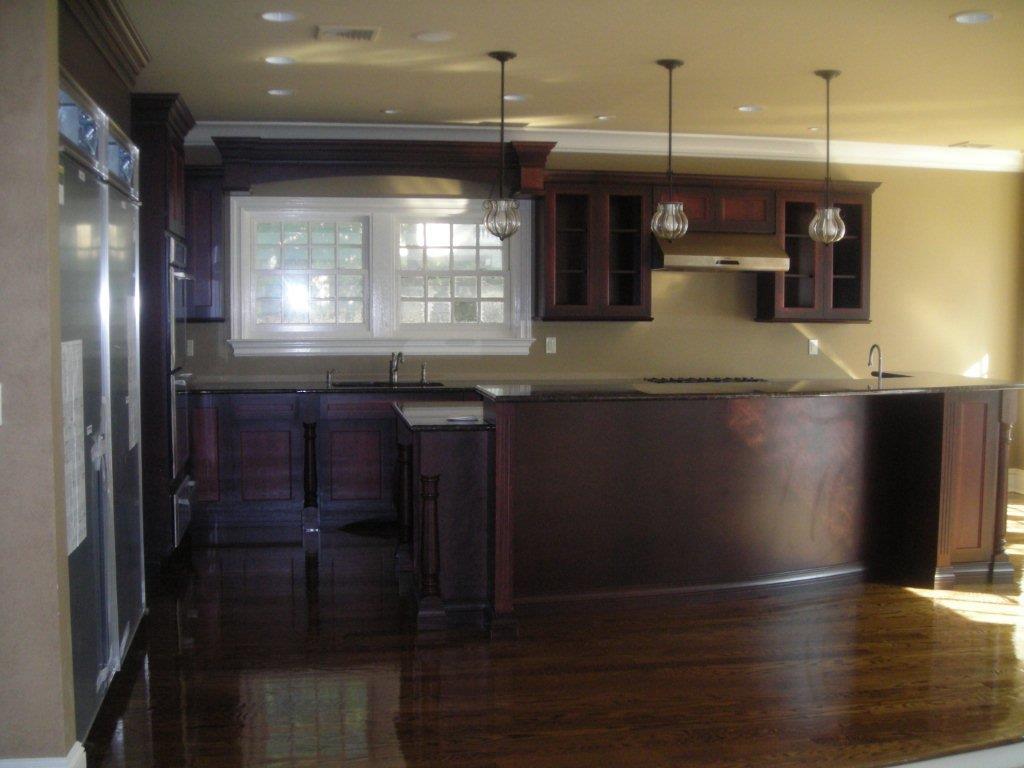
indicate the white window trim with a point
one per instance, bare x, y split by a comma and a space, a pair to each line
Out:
383, 335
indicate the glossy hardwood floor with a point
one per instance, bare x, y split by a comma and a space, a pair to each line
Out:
249, 661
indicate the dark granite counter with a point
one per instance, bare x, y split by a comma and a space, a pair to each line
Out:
638, 389
349, 388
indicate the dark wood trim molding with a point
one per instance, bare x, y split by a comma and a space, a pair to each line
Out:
249, 161
112, 31
162, 109
704, 180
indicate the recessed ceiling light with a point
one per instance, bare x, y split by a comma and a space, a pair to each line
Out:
435, 36
750, 108
390, 111
279, 16
280, 91
602, 118
972, 17
515, 97
280, 60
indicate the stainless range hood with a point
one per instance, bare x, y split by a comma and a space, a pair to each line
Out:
724, 252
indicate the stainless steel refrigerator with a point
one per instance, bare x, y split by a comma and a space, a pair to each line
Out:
99, 376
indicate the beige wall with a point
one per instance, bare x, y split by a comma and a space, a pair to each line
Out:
36, 710
945, 287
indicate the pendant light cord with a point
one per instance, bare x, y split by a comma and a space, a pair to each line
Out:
670, 133
828, 143
501, 143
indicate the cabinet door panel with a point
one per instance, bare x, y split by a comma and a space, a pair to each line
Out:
972, 456
738, 210
205, 213
205, 464
265, 464
355, 464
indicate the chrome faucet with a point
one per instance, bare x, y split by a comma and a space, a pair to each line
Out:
397, 358
871, 354
330, 378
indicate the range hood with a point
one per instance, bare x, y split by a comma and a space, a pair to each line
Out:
724, 252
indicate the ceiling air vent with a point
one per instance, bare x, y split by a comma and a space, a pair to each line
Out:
343, 32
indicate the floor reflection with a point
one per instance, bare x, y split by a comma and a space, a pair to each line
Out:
298, 652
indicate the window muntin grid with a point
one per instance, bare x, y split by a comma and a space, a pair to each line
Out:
310, 272
451, 273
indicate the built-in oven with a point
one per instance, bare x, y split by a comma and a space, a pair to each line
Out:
179, 423
183, 508
180, 282
178, 296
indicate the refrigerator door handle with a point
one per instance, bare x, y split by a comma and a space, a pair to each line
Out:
181, 275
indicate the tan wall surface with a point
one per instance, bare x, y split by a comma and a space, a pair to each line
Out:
36, 709
945, 287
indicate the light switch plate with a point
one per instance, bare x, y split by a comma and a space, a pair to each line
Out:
812, 346
190, 348
550, 345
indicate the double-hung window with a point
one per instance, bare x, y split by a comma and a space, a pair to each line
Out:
375, 275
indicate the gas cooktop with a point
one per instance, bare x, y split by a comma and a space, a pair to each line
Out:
703, 379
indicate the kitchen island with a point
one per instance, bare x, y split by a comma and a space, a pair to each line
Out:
596, 489
632, 487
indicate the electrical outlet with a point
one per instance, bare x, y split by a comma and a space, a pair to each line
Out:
550, 345
190, 348
812, 346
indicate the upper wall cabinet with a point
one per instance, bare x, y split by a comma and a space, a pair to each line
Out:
204, 223
723, 209
594, 254
825, 283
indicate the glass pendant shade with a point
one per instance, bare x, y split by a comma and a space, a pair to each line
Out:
501, 217
827, 226
669, 221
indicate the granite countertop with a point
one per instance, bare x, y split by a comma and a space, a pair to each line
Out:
361, 387
638, 389
568, 390
442, 416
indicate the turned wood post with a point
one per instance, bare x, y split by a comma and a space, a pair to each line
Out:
309, 481
403, 495
431, 552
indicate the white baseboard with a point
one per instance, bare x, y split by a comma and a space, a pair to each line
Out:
75, 758
1015, 480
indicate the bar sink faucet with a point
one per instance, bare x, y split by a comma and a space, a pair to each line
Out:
878, 372
397, 358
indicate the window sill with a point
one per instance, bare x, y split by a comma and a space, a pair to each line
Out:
327, 347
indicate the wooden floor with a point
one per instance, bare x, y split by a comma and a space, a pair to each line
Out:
251, 663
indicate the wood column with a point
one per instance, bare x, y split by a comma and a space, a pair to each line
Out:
309, 479
403, 506
1002, 570
430, 610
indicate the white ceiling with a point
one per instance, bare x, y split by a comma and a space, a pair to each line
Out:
910, 75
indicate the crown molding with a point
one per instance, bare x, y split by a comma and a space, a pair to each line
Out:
575, 141
162, 109
108, 25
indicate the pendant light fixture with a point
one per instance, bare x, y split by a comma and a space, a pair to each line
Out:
669, 220
827, 225
501, 216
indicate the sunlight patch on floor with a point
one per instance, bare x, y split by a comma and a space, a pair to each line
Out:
977, 606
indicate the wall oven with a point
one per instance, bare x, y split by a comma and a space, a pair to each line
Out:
180, 283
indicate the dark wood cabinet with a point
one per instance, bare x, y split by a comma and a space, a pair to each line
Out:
204, 214
249, 451
594, 253
724, 209
824, 283
971, 448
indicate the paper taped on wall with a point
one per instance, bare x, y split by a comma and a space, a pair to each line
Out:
73, 411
